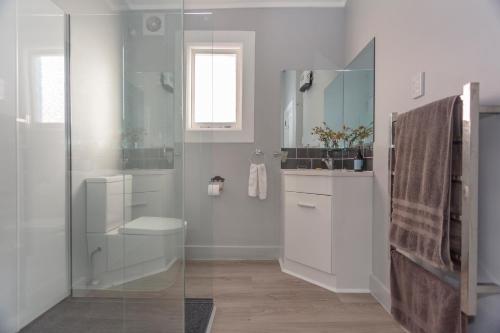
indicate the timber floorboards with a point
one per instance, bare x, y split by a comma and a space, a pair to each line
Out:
256, 297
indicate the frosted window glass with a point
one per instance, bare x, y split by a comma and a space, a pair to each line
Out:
51, 88
215, 81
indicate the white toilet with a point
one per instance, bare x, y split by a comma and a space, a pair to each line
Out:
121, 250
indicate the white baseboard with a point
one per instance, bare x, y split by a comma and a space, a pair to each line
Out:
380, 292
320, 279
229, 252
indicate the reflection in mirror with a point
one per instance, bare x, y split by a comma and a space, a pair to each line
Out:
340, 100
330, 109
359, 88
304, 103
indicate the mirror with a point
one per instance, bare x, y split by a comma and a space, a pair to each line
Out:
339, 100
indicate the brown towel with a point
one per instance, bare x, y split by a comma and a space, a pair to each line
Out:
422, 182
421, 302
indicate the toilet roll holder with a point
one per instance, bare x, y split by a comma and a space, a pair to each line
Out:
217, 180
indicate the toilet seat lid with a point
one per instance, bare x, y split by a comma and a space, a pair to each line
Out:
148, 225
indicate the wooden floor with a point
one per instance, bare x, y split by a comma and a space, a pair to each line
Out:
256, 297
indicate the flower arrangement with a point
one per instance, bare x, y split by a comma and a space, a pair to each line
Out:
327, 136
131, 137
361, 133
331, 138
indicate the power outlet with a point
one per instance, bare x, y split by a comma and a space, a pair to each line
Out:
418, 85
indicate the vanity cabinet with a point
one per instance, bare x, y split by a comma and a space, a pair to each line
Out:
308, 231
326, 228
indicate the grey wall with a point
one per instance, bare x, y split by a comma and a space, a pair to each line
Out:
453, 41
96, 109
234, 225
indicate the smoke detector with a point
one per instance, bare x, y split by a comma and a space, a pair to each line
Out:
153, 24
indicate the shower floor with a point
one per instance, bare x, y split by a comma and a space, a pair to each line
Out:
79, 315
105, 315
148, 305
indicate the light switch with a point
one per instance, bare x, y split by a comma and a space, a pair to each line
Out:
418, 85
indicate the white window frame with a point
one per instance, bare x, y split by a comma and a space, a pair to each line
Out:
220, 48
223, 42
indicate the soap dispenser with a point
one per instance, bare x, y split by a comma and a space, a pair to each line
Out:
359, 161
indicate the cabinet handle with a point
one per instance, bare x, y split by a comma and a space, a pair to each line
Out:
306, 205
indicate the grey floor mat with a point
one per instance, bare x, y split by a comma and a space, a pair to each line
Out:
198, 313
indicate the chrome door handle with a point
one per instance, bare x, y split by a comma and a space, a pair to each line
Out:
26, 120
306, 205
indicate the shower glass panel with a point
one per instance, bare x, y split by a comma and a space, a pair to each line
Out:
128, 227
33, 243
41, 133
152, 141
9, 192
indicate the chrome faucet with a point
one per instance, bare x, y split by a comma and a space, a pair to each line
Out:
328, 161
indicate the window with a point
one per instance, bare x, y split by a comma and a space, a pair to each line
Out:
216, 83
220, 78
49, 88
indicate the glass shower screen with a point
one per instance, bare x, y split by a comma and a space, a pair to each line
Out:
127, 162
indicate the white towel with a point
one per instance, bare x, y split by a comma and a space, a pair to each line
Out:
252, 181
262, 175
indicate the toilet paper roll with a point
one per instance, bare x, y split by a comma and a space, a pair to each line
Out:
214, 190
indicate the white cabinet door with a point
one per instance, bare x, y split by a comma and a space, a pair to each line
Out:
308, 229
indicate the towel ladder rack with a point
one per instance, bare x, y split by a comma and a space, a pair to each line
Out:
454, 178
469, 287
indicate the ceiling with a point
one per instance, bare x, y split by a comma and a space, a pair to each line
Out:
102, 6
214, 4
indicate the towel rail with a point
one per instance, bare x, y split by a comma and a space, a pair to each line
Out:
468, 180
259, 153
489, 109
449, 277
454, 178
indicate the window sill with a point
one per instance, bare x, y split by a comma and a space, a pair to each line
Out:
214, 129
211, 135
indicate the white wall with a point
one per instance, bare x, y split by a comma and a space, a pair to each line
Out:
43, 252
8, 176
454, 42
234, 225
489, 229
96, 109
33, 238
